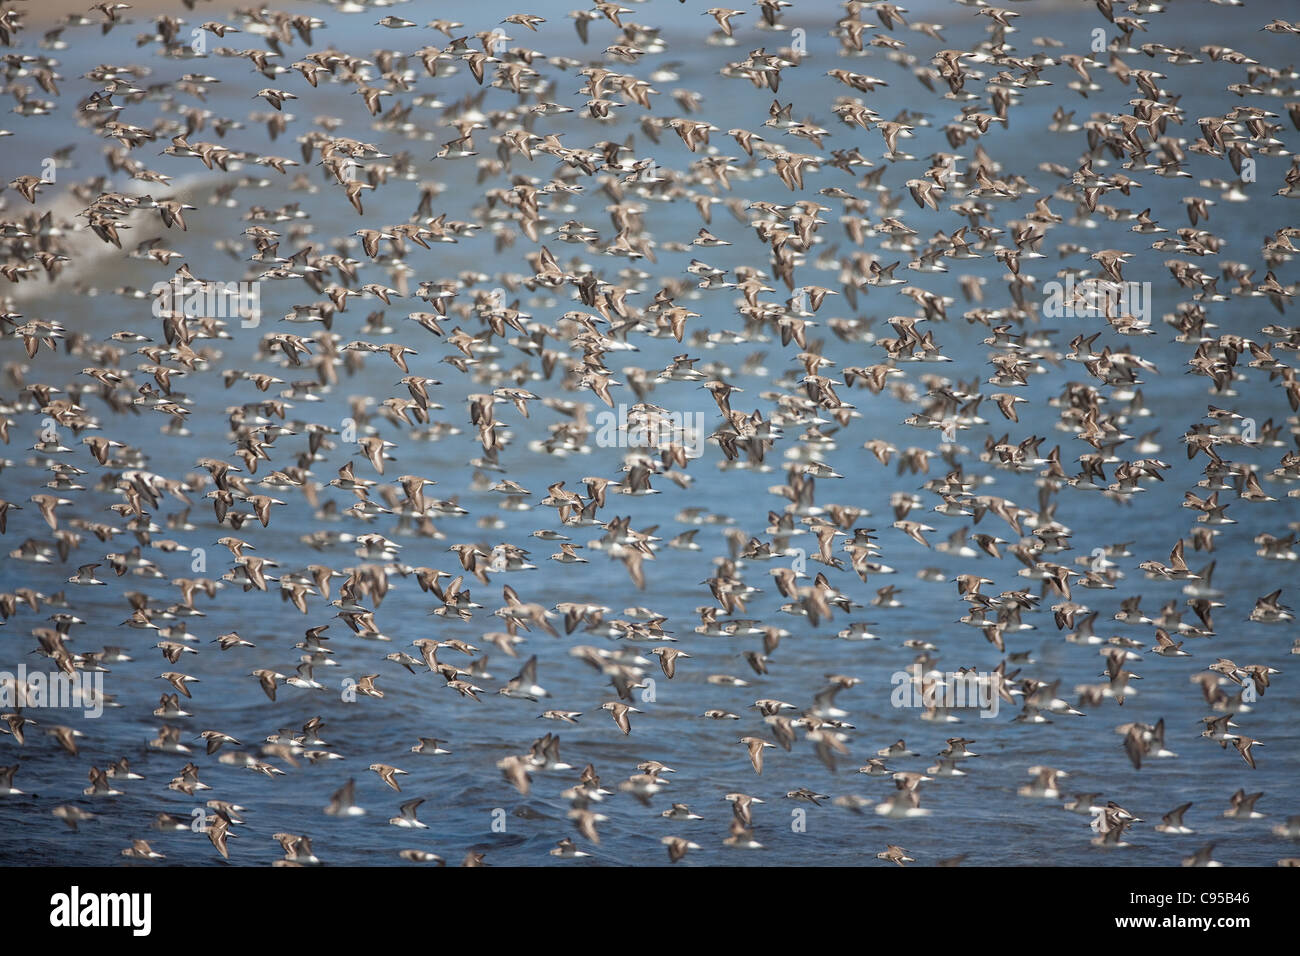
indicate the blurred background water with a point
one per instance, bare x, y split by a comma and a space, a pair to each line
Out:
979, 814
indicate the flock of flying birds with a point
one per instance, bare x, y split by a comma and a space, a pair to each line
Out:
804, 203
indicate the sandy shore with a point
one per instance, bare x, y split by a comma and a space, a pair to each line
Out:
44, 14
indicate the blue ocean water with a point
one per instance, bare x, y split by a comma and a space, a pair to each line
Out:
980, 814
